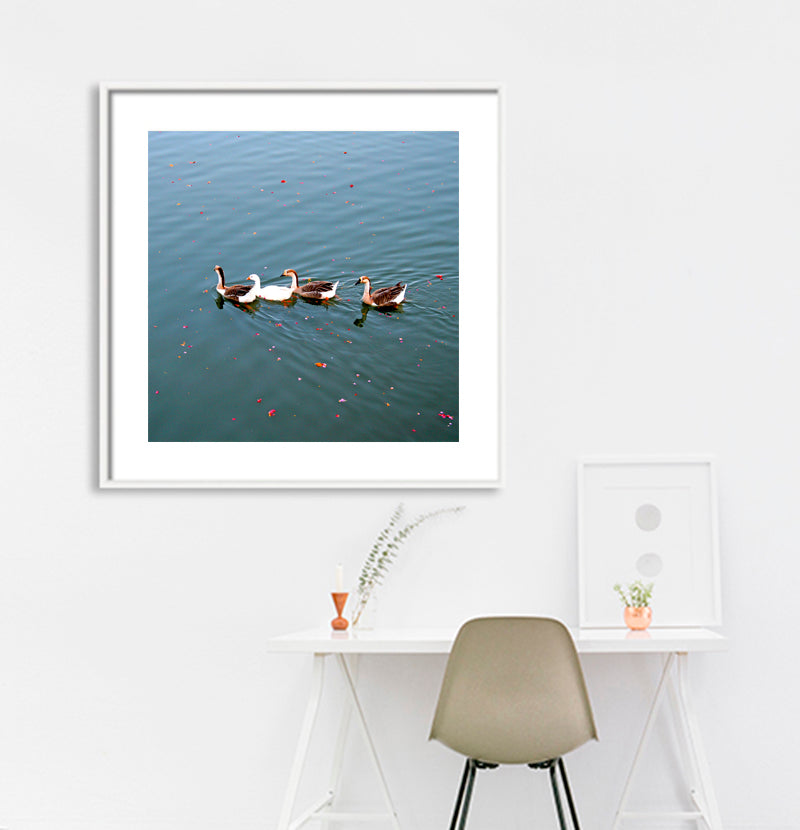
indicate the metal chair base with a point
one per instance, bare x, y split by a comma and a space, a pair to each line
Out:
472, 765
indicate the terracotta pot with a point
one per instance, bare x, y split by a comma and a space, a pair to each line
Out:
637, 619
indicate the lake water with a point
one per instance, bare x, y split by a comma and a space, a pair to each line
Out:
332, 206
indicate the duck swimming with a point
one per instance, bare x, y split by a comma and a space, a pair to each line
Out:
238, 293
320, 290
390, 297
276, 292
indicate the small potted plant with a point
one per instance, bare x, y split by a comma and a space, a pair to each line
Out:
636, 599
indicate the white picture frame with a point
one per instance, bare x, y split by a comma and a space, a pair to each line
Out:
128, 111
654, 519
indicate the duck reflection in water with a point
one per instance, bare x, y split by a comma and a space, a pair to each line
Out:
250, 308
389, 311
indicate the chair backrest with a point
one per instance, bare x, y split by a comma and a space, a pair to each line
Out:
513, 692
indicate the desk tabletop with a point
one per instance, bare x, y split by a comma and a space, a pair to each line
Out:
440, 640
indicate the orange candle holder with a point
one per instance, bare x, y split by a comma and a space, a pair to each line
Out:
339, 623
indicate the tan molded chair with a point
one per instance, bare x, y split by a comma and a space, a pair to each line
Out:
513, 693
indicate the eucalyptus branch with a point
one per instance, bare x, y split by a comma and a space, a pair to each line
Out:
385, 550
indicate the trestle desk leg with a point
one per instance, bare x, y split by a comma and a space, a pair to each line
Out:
708, 801
303, 742
688, 760
341, 742
351, 688
674, 678
643, 740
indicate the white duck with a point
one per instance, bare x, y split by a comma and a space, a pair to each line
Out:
238, 293
390, 297
279, 293
320, 290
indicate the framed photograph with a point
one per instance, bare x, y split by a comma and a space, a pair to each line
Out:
300, 285
654, 520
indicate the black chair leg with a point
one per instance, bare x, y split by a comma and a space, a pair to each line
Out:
468, 794
464, 796
572, 811
557, 797
460, 796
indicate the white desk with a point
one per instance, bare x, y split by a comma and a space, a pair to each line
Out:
674, 644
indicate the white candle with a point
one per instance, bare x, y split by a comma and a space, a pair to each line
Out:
339, 578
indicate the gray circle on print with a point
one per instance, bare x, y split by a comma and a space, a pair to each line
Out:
648, 517
649, 565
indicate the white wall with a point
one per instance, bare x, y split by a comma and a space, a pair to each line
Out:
652, 299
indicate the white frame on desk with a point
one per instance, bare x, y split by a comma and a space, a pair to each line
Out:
684, 540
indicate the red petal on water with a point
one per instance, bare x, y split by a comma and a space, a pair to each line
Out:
271, 412
258, 400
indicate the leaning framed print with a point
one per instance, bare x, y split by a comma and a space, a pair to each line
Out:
300, 285
654, 520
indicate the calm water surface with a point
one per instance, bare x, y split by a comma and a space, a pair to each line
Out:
332, 206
